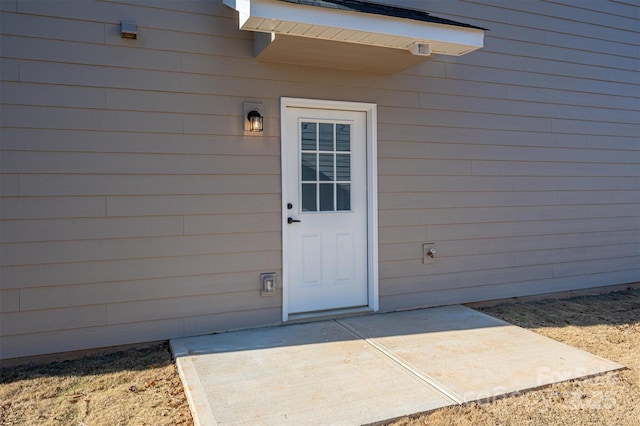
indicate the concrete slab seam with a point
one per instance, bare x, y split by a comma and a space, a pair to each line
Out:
431, 382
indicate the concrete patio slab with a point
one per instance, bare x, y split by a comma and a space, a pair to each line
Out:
472, 356
366, 369
317, 373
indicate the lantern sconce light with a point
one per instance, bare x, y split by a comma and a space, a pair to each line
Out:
255, 121
253, 114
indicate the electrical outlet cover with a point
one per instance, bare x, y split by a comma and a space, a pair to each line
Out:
427, 257
269, 284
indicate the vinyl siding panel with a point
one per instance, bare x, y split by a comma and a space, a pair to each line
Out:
10, 185
503, 138
56, 140
89, 337
191, 204
144, 164
133, 248
17, 231
133, 208
588, 158
50, 95
88, 184
530, 228
187, 306
121, 270
10, 69
90, 54
9, 5
407, 234
467, 281
53, 319
513, 287
47, 27
9, 301
531, 79
583, 183
52, 207
549, 248
67, 340
231, 223
90, 119
202, 324
137, 290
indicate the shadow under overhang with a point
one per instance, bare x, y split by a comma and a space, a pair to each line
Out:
351, 34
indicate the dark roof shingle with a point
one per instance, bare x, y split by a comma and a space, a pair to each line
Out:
382, 9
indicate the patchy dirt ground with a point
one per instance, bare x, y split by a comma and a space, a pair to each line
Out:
133, 387
141, 386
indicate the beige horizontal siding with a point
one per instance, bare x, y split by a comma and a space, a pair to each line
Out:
137, 290
145, 164
9, 301
205, 324
188, 306
131, 269
133, 208
48, 184
24, 322
532, 284
191, 204
90, 119
52, 207
452, 261
84, 52
579, 76
116, 334
72, 140
89, 337
560, 228
570, 242
133, 248
16, 231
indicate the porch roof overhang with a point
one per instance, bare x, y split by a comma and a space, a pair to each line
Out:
354, 25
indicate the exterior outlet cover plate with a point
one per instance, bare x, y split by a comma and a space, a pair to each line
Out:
269, 284
428, 253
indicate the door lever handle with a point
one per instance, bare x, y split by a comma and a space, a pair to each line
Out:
291, 220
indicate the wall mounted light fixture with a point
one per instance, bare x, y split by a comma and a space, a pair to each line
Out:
253, 116
255, 121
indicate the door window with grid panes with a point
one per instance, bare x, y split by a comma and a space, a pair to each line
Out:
325, 159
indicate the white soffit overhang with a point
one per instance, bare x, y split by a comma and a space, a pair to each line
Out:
370, 29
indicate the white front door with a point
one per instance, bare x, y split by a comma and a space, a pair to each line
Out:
325, 209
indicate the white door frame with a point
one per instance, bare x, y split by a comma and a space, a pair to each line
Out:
372, 189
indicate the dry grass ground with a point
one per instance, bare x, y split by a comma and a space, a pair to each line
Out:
134, 387
141, 387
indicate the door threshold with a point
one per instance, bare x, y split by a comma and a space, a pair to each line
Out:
328, 314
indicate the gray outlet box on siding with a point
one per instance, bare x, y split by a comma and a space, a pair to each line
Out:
269, 284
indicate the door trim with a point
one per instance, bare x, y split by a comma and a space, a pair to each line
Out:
372, 189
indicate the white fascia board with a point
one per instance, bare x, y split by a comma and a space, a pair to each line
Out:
242, 6
253, 12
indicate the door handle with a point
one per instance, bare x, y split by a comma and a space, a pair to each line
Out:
291, 220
